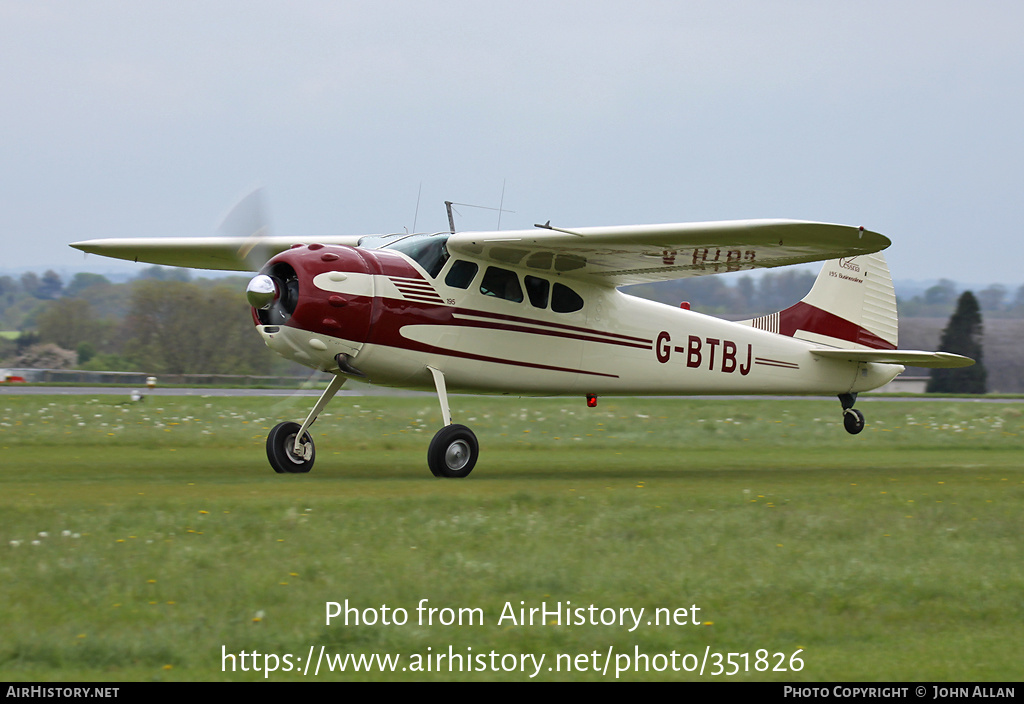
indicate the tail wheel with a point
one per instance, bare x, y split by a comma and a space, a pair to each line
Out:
453, 452
281, 450
853, 421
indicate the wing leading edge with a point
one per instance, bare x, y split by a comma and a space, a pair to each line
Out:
224, 253
616, 256
612, 256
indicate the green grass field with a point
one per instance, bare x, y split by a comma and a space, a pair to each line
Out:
144, 541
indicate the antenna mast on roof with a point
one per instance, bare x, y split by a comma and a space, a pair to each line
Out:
451, 220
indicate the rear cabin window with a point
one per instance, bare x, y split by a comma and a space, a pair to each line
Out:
501, 283
461, 274
565, 300
537, 289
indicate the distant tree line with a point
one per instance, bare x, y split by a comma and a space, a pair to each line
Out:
747, 296
161, 322
938, 301
731, 296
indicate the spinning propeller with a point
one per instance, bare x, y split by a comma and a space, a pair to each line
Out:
248, 222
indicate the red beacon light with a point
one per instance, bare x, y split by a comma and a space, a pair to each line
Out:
591, 401
685, 305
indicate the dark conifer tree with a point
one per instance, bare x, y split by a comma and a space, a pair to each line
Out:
962, 336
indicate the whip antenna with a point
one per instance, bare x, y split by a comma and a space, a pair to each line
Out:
416, 216
501, 202
451, 220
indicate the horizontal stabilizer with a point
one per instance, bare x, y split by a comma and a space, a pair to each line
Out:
913, 358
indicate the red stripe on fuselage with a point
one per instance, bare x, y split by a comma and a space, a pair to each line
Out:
393, 315
548, 333
804, 316
560, 326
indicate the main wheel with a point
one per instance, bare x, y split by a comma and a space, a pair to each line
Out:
281, 450
453, 452
853, 421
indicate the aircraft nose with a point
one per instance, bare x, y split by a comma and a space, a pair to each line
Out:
313, 303
261, 292
273, 293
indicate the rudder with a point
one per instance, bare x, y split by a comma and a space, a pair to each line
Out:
852, 305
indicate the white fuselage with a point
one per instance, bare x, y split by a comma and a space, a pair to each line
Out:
614, 344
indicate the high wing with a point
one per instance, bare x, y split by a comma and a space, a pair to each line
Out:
913, 358
616, 256
612, 256
225, 253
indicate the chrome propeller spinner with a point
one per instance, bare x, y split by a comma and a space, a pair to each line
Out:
261, 292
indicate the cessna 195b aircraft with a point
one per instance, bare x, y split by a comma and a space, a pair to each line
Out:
537, 313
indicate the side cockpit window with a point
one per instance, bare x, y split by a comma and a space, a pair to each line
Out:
461, 274
506, 285
501, 283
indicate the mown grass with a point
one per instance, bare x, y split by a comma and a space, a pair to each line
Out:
138, 540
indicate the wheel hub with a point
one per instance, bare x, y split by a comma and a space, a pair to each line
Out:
457, 455
297, 457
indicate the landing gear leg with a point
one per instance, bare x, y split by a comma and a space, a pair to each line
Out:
289, 445
853, 420
454, 450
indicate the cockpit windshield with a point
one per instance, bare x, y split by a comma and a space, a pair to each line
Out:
429, 251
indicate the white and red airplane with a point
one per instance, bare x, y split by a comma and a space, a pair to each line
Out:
537, 313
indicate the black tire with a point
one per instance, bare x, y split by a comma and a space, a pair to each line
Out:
853, 421
453, 452
281, 452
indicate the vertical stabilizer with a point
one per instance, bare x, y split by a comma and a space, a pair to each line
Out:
852, 305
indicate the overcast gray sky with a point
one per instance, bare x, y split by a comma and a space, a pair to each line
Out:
152, 118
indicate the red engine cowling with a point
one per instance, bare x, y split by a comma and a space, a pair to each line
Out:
326, 290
